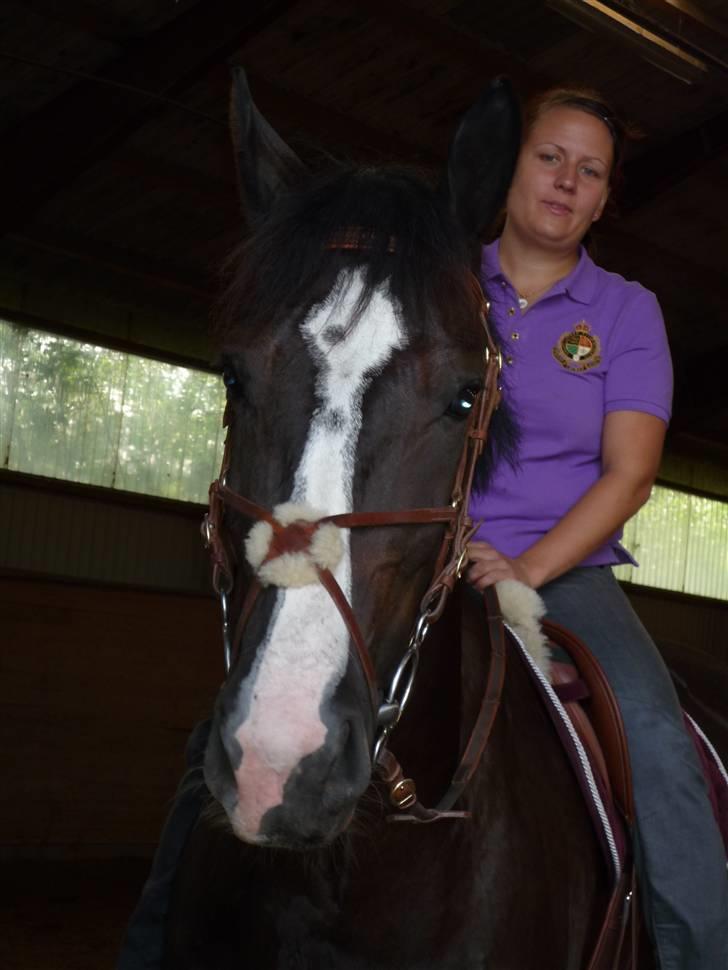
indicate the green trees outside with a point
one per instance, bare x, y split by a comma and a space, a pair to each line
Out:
79, 412
681, 543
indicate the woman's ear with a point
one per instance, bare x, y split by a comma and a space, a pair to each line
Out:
600, 208
482, 157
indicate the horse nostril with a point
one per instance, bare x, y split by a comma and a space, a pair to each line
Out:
350, 765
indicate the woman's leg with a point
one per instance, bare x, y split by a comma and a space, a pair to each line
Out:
143, 944
680, 852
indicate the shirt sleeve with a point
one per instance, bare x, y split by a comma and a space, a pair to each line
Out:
639, 367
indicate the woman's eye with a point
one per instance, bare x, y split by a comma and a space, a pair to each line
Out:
462, 404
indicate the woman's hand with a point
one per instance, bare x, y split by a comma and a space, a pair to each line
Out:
488, 566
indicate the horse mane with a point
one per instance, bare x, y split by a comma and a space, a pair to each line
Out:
290, 261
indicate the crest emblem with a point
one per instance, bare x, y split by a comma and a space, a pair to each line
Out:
578, 349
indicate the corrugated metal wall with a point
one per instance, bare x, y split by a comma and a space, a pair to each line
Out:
89, 537
100, 689
682, 621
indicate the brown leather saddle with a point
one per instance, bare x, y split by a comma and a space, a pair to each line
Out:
580, 685
584, 692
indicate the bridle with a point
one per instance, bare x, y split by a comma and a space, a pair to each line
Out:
449, 564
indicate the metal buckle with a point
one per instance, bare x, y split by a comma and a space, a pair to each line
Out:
498, 355
462, 560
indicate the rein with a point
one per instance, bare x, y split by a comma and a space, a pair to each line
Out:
449, 565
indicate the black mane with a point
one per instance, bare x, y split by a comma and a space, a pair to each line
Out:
410, 238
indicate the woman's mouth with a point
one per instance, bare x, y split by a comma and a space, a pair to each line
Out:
557, 208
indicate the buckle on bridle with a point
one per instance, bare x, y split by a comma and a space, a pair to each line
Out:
459, 565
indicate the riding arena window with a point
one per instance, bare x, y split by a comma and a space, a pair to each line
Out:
681, 543
79, 412
82, 413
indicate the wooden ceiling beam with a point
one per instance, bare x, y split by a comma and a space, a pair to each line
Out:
84, 17
487, 59
54, 145
150, 271
684, 22
152, 173
293, 114
670, 162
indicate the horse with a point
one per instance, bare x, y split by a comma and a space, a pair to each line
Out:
352, 346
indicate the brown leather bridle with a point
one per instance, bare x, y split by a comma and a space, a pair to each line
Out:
450, 562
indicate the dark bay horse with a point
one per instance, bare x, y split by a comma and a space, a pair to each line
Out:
353, 349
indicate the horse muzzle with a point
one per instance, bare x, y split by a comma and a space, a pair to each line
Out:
298, 795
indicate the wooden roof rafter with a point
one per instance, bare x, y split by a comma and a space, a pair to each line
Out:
49, 149
668, 163
151, 272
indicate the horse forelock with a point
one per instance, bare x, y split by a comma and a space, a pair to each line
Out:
413, 242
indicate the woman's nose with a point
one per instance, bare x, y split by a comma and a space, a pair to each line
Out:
566, 178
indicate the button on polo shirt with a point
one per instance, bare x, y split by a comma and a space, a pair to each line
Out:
592, 344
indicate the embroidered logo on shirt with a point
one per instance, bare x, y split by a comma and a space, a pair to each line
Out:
579, 349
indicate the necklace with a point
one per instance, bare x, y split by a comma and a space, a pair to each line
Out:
524, 301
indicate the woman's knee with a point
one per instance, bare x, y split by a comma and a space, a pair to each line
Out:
662, 754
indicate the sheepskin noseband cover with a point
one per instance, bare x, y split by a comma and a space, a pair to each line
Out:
291, 557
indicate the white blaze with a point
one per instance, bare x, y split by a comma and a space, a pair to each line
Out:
304, 654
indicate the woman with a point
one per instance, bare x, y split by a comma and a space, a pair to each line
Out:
587, 371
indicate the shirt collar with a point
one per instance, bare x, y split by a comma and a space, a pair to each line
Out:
579, 284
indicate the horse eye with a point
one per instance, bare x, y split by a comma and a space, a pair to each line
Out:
462, 404
234, 377
229, 378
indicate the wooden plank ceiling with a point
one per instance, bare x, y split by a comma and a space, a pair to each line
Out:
116, 169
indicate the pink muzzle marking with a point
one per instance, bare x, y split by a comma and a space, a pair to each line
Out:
289, 736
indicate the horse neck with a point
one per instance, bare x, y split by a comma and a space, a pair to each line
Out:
443, 705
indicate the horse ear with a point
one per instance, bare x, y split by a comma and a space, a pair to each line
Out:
482, 158
265, 164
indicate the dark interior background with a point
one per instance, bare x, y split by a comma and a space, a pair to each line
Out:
118, 207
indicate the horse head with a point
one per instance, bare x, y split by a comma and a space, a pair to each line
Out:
352, 349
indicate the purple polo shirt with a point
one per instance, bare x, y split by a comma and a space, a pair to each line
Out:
594, 343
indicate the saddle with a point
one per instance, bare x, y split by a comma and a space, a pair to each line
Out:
579, 683
587, 697
579, 690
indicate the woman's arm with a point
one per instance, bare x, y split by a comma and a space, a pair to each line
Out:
631, 449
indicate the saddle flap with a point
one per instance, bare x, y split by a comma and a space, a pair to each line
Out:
603, 713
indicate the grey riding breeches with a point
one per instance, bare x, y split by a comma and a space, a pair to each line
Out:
679, 850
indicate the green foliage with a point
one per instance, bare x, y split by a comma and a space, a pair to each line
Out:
80, 412
681, 543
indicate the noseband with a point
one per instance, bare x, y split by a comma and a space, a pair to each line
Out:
450, 562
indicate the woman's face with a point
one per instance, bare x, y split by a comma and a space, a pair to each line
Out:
561, 182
